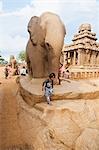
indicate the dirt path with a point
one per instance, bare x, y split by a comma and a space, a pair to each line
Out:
9, 128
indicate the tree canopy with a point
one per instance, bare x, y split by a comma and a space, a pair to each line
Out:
22, 55
2, 60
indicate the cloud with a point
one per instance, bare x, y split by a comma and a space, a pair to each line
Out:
13, 25
13, 42
43, 5
13, 31
0, 6
12, 45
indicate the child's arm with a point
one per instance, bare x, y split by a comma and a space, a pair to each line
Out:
43, 86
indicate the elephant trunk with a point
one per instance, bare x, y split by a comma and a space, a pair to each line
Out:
54, 41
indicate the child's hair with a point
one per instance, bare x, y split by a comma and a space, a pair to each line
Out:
67, 71
52, 75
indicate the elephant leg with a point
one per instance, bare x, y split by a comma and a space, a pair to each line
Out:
29, 52
45, 63
29, 65
38, 62
53, 60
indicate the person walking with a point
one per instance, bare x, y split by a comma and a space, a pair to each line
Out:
23, 71
47, 87
6, 72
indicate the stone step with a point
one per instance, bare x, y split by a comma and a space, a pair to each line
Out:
31, 90
19, 147
60, 105
44, 106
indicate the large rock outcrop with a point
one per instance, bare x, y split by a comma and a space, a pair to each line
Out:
69, 124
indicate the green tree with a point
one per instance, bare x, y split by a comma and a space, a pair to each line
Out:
1, 59
22, 56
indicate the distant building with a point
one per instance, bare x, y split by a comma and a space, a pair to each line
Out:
84, 50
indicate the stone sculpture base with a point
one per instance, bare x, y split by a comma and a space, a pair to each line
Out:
84, 72
71, 123
31, 90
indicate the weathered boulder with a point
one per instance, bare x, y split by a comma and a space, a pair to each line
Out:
31, 90
69, 124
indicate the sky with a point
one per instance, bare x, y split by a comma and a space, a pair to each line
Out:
15, 15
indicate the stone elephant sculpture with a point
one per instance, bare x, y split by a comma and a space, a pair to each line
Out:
45, 44
12, 62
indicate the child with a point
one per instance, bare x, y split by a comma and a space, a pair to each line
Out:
47, 86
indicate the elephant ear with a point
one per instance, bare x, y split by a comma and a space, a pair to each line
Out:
32, 29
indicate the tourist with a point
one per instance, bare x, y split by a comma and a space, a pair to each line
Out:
67, 74
62, 70
6, 72
47, 87
9, 71
17, 70
23, 71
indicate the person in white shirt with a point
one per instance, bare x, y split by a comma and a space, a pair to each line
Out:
23, 71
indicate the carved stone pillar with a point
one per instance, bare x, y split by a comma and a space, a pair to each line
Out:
82, 57
74, 59
65, 58
79, 57
94, 58
87, 58
92, 62
69, 60
91, 57
98, 59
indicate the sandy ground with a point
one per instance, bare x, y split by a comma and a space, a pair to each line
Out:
10, 135
10, 131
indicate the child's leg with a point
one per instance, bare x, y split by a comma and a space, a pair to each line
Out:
48, 100
48, 96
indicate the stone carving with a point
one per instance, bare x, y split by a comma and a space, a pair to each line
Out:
84, 27
13, 67
44, 47
83, 54
85, 43
72, 123
12, 62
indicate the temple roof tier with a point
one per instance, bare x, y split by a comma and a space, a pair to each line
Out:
84, 39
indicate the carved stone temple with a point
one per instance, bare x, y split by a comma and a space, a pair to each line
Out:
83, 54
